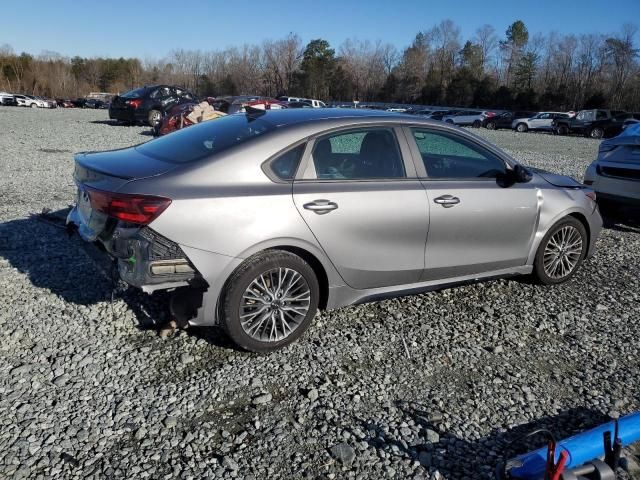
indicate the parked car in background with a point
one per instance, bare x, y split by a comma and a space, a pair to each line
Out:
95, 103
254, 221
439, 114
298, 104
423, 112
79, 102
615, 174
503, 120
316, 103
540, 121
238, 104
30, 101
64, 103
595, 123
148, 104
8, 99
467, 117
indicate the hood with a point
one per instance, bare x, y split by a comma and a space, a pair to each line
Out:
555, 179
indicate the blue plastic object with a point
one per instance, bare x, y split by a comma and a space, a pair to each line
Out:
581, 448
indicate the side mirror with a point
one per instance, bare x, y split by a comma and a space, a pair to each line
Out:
521, 174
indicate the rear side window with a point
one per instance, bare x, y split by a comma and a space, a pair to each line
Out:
205, 139
450, 156
284, 166
358, 155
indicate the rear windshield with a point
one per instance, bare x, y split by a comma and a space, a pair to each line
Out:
205, 139
138, 92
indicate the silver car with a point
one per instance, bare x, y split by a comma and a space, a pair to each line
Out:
256, 220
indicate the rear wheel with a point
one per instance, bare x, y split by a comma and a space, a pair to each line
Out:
522, 127
596, 132
477, 124
154, 117
33, 105
491, 126
270, 301
563, 130
561, 252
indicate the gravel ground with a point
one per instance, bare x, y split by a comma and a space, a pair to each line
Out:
440, 385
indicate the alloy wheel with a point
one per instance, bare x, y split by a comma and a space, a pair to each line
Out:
274, 304
563, 252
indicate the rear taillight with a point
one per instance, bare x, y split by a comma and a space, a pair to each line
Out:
490, 114
135, 103
140, 209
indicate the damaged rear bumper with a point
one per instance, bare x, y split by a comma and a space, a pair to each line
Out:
145, 259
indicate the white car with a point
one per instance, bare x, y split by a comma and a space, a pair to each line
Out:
467, 117
30, 101
310, 101
540, 121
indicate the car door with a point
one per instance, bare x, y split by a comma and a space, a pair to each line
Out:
476, 223
361, 199
540, 121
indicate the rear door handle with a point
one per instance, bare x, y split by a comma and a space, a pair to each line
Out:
447, 201
321, 206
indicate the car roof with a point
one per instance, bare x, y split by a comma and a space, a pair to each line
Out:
296, 116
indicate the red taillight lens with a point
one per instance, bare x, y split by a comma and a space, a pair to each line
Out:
140, 209
135, 103
490, 114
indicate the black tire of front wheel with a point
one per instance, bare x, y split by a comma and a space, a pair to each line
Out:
538, 266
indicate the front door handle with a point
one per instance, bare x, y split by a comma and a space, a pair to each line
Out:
447, 201
321, 206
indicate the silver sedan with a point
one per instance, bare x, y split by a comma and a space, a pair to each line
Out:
256, 220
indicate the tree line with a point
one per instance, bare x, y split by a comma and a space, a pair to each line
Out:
512, 70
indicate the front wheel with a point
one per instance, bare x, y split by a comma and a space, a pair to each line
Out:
596, 133
522, 127
155, 116
563, 130
561, 252
477, 124
269, 301
491, 126
33, 105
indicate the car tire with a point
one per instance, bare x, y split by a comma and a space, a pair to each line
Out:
522, 127
33, 105
477, 124
491, 126
449, 121
254, 289
597, 133
561, 252
155, 116
563, 130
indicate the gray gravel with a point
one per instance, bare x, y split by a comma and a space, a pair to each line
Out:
88, 391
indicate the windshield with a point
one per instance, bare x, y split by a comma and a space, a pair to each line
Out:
205, 139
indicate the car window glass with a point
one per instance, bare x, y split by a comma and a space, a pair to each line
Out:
545, 116
450, 156
358, 155
601, 115
586, 115
285, 165
205, 139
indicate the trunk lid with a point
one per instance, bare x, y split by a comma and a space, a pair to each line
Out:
125, 164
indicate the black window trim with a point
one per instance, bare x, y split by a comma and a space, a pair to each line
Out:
417, 156
411, 175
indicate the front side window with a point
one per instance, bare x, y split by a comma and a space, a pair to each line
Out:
448, 155
358, 155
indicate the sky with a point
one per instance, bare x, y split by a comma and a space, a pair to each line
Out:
151, 29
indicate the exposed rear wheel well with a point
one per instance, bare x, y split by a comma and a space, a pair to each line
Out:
583, 220
318, 269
